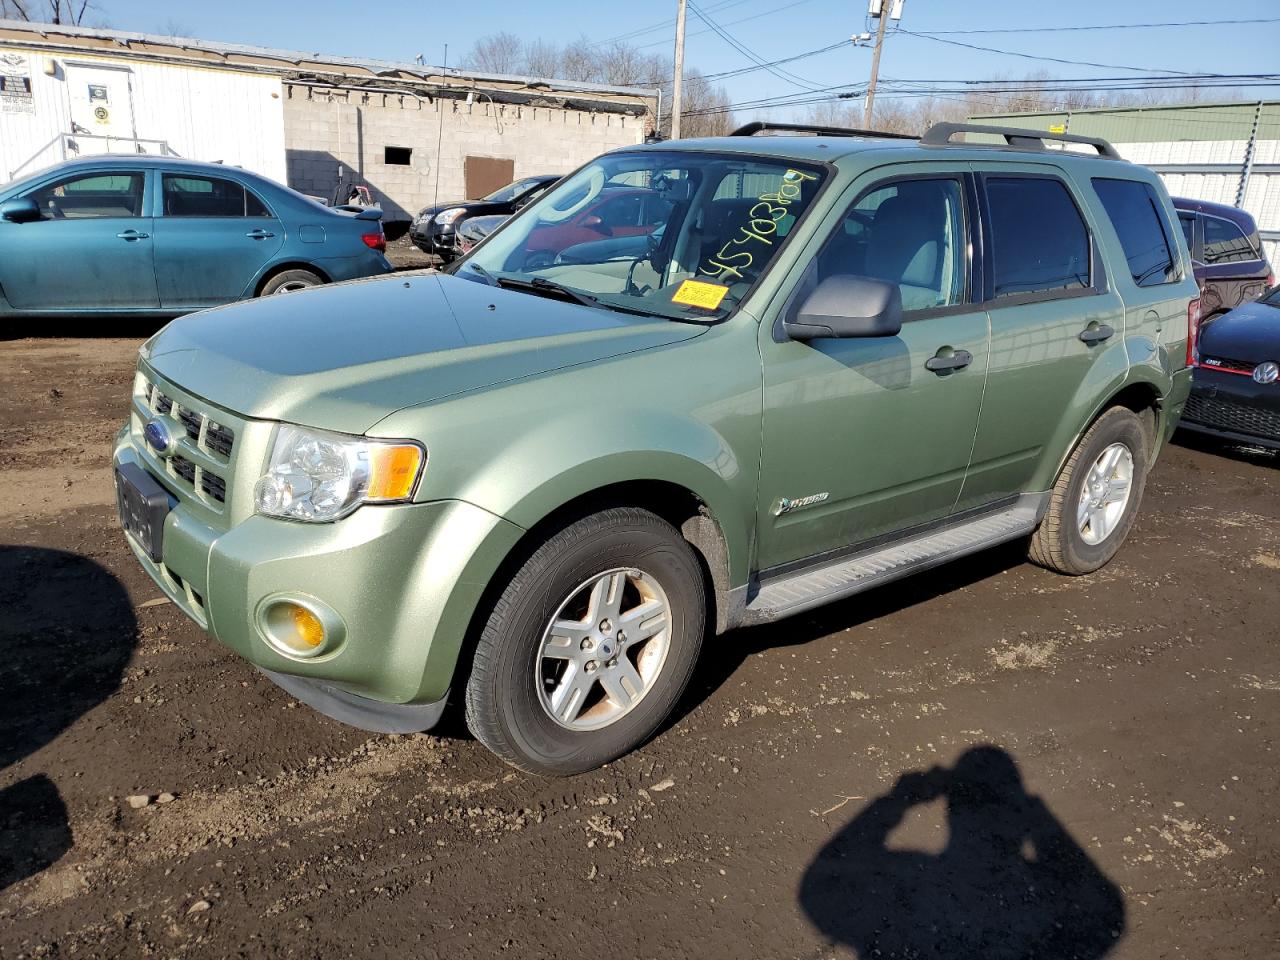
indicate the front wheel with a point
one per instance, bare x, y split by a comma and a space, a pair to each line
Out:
1095, 502
589, 646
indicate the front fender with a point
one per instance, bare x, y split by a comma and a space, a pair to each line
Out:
687, 414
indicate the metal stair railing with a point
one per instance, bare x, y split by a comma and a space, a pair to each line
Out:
67, 144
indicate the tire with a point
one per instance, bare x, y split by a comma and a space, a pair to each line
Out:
1063, 542
514, 682
288, 281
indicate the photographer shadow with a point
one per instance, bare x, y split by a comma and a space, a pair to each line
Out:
67, 631
1010, 882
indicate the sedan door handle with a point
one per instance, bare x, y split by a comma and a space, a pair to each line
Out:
259, 234
132, 235
1096, 333
941, 363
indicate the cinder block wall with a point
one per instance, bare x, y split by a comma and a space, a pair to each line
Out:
346, 132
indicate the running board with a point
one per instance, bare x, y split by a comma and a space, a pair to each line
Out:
796, 593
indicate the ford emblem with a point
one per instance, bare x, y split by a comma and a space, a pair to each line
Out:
1267, 372
156, 433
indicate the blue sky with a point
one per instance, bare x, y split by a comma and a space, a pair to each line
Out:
773, 29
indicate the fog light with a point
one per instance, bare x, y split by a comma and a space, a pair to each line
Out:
299, 628
307, 627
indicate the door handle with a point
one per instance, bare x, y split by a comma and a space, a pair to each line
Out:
1096, 333
941, 363
259, 234
132, 235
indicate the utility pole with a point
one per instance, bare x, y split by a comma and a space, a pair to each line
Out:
678, 80
883, 16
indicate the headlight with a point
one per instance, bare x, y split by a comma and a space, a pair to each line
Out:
320, 477
450, 215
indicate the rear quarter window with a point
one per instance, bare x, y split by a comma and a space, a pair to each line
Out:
1134, 210
1224, 242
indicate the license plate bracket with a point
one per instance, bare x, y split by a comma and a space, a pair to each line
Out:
143, 505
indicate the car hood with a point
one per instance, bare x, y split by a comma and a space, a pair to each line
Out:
345, 356
474, 208
1250, 333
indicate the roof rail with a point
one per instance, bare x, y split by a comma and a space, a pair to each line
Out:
758, 126
1015, 138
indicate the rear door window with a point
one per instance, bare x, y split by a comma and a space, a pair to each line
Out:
1224, 242
1039, 241
1134, 210
189, 196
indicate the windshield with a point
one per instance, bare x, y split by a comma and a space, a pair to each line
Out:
1272, 297
512, 190
676, 234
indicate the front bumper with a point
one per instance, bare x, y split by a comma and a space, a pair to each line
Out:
404, 581
433, 238
1233, 407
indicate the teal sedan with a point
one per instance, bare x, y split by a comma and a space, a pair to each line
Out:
136, 235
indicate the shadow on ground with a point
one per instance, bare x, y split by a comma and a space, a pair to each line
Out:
66, 634
1010, 883
1260, 456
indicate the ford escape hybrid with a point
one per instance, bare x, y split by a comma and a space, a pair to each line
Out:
536, 480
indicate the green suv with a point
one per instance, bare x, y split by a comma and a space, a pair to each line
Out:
801, 367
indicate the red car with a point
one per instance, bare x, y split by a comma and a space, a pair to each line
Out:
617, 212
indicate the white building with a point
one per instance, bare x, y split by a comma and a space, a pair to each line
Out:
323, 124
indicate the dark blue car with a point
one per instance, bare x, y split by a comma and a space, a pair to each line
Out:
161, 236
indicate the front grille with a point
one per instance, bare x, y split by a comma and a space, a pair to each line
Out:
204, 446
1224, 363
1226, 414
183, 468
214, 486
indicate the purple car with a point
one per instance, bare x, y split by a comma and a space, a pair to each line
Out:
1226, 252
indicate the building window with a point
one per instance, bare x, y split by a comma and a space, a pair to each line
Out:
397, 156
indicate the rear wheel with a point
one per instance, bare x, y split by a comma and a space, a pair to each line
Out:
1095, 502
589, 646
289, 281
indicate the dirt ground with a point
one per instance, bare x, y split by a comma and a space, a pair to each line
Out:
989, 761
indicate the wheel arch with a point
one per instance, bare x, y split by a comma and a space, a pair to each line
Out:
1139, 392
275, 269
678, 503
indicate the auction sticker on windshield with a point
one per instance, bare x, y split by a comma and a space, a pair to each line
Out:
697, 293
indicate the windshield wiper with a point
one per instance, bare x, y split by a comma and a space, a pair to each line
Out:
544, 287
541, 285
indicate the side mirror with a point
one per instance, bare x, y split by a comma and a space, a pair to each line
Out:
593, 222
848, 306
19, 210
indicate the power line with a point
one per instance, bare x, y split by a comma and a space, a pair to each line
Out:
755, 16
726, 74
851, 91
750, 54
1107, 26
664, 25
1032, 56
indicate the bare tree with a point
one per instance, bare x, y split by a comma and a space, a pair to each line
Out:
706, 111
497, 53
70, 12
541, 59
